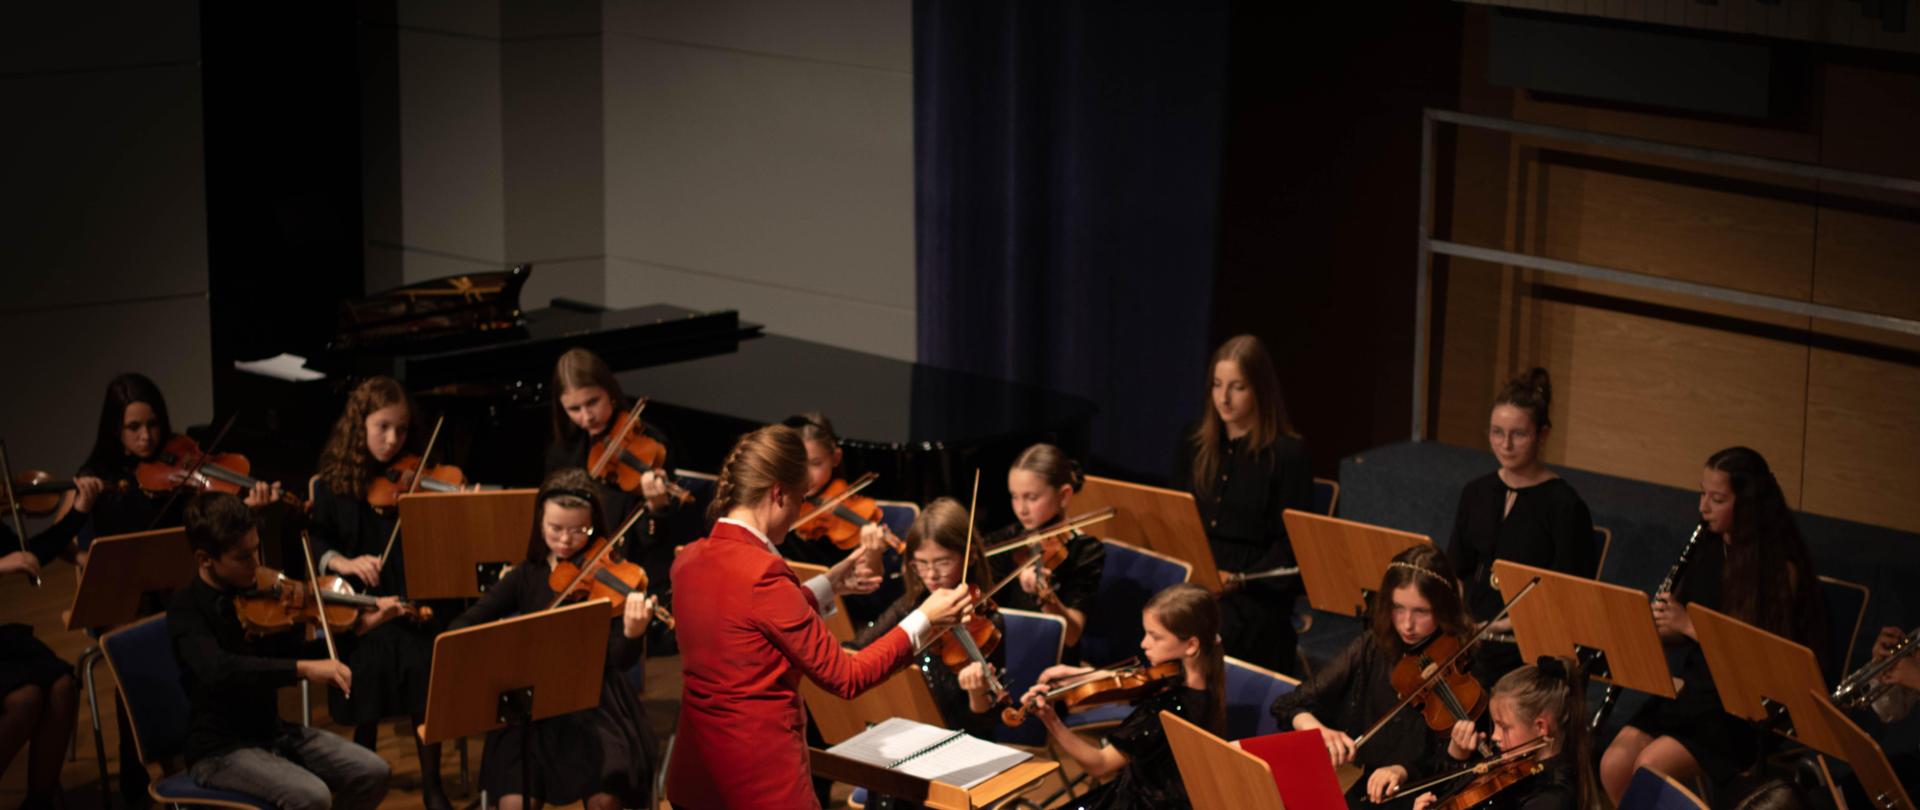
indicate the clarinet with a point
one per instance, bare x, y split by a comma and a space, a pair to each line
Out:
1666, 586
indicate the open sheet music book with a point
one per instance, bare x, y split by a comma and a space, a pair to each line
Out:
930, 752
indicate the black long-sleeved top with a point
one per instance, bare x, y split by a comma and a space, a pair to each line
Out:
1355, 690
1151, 778
955, 707
524, 590
573, 452
230, 680
48, 543
1549, 527
1242, 510
123, 507
1075, 582
350, 527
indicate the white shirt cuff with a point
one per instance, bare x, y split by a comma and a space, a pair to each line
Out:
916, 624
822, 589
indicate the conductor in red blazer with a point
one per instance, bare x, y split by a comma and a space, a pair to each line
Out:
749, 629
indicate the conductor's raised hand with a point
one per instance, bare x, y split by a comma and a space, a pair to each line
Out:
947, 606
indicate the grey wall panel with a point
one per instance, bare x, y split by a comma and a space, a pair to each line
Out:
871, 33
551, 135
872, 328
105, 197
474, 18
451, 182
581, 280
49, 37
772, 172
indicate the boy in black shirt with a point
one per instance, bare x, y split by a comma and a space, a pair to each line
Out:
236, 740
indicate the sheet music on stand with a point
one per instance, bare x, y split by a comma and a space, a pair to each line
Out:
930, 752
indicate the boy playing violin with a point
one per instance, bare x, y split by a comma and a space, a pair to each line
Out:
235, 738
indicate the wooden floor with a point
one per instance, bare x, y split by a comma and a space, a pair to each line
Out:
41, 607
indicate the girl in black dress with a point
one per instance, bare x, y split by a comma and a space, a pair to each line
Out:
1245, 465
1547, 699
350, 537
603, 756
1041, 483
1418, 601
1182, 623
40, 697
1523, 512
1760, 573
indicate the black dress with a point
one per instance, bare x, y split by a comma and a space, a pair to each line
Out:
1075, 582
1350, 694
391, 662
1151, 777
24, 659
1242, 513
607, 749
1549, 527
122, 507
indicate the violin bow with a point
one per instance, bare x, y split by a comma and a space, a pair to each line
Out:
619, 437
320, 603
966, 560
586, 570
831, 503
1441, 671
13, 506
1074, 524
1477, 769
194, 471
412, 487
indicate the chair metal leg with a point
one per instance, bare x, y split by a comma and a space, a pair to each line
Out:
87, 661
306, 703
466, 782
660, 773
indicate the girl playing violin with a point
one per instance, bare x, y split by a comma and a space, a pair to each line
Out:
1041, 483
589, 405
604, 756
1245, 465
935, 548
1182, 623
350, 538
1523, 511
1418, 601
1547, 700
1758, 572
810, 542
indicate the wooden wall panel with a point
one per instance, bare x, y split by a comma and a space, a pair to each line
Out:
1863, 448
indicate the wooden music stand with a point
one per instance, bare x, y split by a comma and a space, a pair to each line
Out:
932, 793
1607, 627
839, 623
1216, 773
121, 569
451, 535
1765, 678
904, 694
1868, 760
1341, 561
546, 664
1162, 520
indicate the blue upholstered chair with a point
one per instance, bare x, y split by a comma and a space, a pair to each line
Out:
1251, 691
1653, 790
1033, 642
1131, 576
141, 658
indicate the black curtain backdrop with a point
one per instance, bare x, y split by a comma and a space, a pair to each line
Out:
1067, 173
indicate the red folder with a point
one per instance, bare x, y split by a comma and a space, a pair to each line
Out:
1301, 769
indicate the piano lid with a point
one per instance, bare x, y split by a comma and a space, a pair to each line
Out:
464, 309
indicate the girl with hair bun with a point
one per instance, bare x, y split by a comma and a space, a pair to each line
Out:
1041, 483
1547, 699
1523, 511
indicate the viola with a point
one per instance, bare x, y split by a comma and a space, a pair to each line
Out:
839, 515
386, 487
624, 456
1435, 675
180, 464
35, 492
1121, 683
278, 603
596, 572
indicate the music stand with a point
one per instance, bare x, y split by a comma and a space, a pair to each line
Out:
1860, 751
1606, 627
459, 541
1162, 520
1341, 561
903, 694
515, 672
1765, 678
930, 792
121, 570
1218, 774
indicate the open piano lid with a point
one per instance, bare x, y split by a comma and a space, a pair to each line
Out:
464, 309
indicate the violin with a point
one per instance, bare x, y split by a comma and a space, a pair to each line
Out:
1435, 675
180, 464
597, 573
386, 487
623, 457
1049, 546
34, 493
1492, 775
278, 603
1122, 683
970, 641
839, 515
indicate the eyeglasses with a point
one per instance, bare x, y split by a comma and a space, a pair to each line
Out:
936, 567
570, 531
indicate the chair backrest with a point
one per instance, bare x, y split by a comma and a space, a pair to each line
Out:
898, 516
1846, 610
1033, 642
1602, 537
1130, 577
1326, 496
1251, 691
142, 660
1653, 790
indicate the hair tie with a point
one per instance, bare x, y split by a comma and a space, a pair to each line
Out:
1552, 666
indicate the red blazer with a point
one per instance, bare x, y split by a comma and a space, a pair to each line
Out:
748, 630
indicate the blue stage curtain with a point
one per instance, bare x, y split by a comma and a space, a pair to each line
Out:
1067, 168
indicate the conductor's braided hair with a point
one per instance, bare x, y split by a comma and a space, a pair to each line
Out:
769, 457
